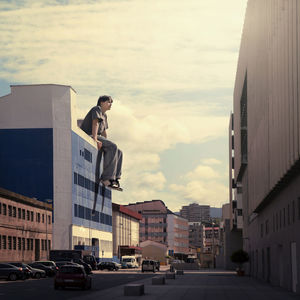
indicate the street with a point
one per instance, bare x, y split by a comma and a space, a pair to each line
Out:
43, 288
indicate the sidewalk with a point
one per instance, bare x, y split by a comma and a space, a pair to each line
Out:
204, 285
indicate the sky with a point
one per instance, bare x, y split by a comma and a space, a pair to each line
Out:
170, 67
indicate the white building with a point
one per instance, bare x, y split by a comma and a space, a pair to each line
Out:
45, 155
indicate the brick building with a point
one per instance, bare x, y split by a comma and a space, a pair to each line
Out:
25, 228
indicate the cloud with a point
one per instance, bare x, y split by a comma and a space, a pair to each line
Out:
211, 161
169, 66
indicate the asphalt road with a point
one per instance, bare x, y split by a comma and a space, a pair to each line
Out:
44, 289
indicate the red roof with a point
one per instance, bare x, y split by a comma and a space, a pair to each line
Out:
126, 211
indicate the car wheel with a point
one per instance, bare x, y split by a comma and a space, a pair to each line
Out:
12, 277
37, 275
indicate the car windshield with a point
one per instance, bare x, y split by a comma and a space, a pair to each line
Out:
71, 270
127, 260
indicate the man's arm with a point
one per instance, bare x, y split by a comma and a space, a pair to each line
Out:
104, 134
95, 128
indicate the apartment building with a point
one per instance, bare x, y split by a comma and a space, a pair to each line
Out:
196, 213
178, 235
153, 225
58, 162
25, 228
266, 140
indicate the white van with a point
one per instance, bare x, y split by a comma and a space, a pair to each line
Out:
129, 262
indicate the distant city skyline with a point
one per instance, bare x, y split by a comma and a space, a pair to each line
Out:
170, 67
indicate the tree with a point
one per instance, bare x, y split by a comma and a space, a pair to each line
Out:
239, 257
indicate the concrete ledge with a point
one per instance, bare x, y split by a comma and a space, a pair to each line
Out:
179, 272
159, 280
170, 275
134, 289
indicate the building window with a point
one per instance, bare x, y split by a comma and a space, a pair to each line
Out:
9, 210
49, 220
19, 213
14, 243
31, 216
293, 212
19, 243
43, 218
31, 244
267, 227
3, 242
28, 215
14, 211
23, 214
43, 248
23, 243
4, 209
9, 242
38, 217
28, 244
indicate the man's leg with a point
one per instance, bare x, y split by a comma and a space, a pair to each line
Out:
110, 151
119, 164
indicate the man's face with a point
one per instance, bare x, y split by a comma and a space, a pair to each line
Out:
107, 104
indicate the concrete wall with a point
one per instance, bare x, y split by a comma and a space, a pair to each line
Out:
267, 81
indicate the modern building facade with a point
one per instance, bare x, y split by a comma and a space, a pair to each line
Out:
25, 228
126, 229
267, 140
45, 155
196, 213
178, 235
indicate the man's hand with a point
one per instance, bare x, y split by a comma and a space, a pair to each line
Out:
99, 145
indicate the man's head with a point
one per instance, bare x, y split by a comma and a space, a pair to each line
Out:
104, 98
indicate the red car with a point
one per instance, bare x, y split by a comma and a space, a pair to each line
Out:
72, 276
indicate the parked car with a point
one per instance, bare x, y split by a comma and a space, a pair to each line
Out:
108, 265
49, 271
91, 260
72, 276
26, 270
11, 272
36, 273
87, 267
149, 265
59, 264
48, 263
129, 262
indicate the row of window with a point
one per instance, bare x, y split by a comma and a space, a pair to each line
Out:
87, 155
86, 213
282, 218
23, 214
18, 243
90, 185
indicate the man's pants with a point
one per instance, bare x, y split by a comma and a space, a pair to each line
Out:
112, 164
